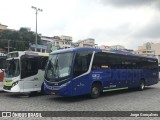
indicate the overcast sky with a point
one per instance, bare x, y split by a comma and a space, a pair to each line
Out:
110, 22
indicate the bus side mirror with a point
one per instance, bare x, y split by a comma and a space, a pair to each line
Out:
2, 70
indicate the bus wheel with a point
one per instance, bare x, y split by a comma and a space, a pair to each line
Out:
31, 94
42, 89
142, 85
95, 91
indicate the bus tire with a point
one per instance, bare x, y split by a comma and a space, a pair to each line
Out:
31, 94
42, 89
95, 90
141, 85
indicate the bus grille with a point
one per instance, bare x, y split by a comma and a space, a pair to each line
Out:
7, 87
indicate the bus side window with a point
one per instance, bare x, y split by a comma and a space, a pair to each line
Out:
100, 61
104, 60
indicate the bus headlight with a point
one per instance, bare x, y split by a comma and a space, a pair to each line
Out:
65, 84
15, 83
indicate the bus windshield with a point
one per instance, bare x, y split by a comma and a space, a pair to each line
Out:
12, 68
59, 66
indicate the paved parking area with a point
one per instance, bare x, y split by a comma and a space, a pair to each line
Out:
126, 100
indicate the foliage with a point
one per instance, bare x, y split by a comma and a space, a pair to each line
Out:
18, 40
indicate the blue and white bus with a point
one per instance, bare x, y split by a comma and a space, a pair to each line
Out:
79, 71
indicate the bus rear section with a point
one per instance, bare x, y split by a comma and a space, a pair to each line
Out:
24, 72
2, 68
92, 71
1, 79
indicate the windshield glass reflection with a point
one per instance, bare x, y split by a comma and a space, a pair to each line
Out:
12, 69
59, 66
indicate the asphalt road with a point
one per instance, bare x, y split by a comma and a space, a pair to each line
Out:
126, 100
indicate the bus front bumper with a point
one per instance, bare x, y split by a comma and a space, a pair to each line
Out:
11, 89
58, 90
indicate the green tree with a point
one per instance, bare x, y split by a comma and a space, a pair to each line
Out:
19, 40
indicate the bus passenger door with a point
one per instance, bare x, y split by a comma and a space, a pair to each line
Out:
29, 73
28, 84
38, 80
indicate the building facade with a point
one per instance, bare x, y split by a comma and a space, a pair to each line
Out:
149, 49
117, 47
3, 27
62, 41
56, 42
38, 48
90, 42
145, 52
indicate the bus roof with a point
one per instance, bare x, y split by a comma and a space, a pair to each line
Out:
27, 53
129, 53
36, 53
101, 50
75, 49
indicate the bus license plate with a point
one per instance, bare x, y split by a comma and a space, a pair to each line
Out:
53, 93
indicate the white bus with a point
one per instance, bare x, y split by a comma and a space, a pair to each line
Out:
25, 72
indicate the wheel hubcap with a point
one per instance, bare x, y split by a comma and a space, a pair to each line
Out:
95, 91
142, 85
